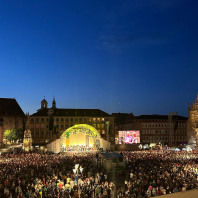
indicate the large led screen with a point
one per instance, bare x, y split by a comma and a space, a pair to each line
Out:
129, 137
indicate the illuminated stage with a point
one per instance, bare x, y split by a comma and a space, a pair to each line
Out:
79, 138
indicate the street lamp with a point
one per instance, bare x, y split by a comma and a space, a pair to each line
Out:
76, 171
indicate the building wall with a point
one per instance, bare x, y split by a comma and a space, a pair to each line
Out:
11, 122
170, 131
41, 133
193, 121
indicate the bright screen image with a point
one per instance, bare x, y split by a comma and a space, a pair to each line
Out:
129, 137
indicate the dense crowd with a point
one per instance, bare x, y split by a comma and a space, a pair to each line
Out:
35, 175
154, 173
148, 174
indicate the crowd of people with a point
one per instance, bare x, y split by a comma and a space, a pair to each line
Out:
154, 173
35, 175
148, 174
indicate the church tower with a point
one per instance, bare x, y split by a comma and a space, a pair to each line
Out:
44, 104
193, 121
54, 103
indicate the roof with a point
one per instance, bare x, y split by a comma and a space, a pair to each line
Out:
111, 155
72, 112
9, 106
160, 117
123, 117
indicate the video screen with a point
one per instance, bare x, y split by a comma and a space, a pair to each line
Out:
129, 137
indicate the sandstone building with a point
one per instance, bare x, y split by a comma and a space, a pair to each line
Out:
11, 116
166, 129
193, 121
47, 124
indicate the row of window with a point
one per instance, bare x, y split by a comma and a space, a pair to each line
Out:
71, 119
162, 131
145, 125
164, 138
42, 126
46, 133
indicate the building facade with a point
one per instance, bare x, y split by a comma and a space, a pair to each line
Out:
193, 121
11, 116
165, 129
47, 124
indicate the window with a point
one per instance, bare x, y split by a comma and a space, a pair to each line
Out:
80, 119
47, 126
102, 119
57, 119
62, 126
98, 119
76, 119
42, 119
37, 119
103, 132
32, 119
71, 119
66, 119
57, 126
66, 126
62, 120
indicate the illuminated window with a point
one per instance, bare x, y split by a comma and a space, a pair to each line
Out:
103, 131
98, 119
94, 119
102, 119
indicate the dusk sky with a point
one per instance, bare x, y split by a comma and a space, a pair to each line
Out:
138, 56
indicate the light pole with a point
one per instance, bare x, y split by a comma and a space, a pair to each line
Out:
76, 171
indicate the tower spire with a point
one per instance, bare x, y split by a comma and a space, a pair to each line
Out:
54, 103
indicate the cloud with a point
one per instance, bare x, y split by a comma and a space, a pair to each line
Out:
122, 40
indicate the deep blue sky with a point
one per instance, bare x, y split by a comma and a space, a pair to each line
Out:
138, 56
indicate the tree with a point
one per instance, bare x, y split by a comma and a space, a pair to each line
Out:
13, 134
